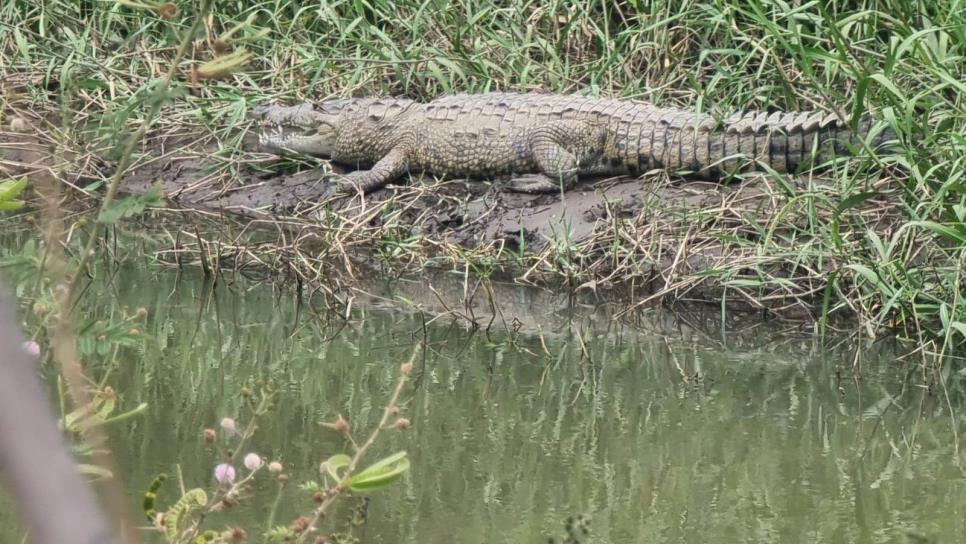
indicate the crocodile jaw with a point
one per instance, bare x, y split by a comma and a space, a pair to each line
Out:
299, 129
284, 141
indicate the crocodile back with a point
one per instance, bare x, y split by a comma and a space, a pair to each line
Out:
646, 137
642, 136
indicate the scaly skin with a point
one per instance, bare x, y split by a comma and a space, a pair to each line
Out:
547, 141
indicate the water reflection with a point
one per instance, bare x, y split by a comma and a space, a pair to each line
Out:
660, 438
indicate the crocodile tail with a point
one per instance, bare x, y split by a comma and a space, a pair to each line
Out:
785, 142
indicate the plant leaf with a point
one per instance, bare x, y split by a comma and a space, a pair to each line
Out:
336, 462
191, 500
94, 470
12, 187
131, 206
380, 474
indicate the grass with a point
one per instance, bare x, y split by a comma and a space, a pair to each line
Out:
881, 239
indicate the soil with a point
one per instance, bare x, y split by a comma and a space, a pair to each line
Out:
467, 212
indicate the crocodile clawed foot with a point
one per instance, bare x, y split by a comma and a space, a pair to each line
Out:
341, 185
533, 183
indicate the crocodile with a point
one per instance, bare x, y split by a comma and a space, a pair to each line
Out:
547, 141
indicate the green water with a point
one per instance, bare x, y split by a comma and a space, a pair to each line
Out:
660, 438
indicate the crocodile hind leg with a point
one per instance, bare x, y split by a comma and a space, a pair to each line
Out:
559, 149
390, 167
533, 183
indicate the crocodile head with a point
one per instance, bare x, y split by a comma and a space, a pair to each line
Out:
310, 128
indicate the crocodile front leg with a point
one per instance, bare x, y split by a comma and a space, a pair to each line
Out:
559, 149
390, 167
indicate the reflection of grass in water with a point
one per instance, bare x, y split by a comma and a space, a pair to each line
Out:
655, 439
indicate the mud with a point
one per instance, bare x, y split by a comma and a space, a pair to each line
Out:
469, 212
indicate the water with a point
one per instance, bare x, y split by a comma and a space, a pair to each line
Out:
660, 438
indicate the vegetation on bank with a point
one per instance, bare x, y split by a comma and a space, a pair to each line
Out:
96, 71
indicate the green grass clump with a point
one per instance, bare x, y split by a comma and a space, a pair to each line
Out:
91, 65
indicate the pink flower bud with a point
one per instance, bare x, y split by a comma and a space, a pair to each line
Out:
228, 424
253, 462
225, 473
32, 348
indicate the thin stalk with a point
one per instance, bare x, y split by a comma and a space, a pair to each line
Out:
63, 338
157, 99
338, 490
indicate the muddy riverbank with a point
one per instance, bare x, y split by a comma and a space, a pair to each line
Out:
759, 243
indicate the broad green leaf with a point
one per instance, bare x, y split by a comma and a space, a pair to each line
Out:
11, 188
131, 206
380, 474
336, 463
870, 276
960, 327
104, 407
23, 45
948, 231
889, 85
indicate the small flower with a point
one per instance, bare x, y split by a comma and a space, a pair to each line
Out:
228, 424
209, 435
142, 312
32, 348
225, 473
253, 462
403, 423
406, 369
275, 467
300, 524
340, 425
